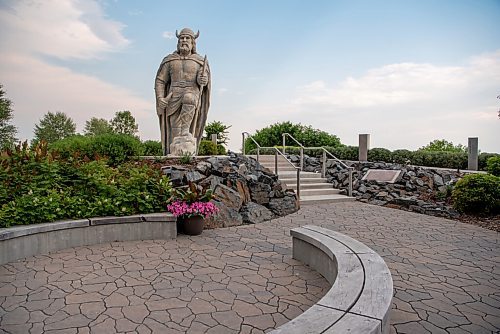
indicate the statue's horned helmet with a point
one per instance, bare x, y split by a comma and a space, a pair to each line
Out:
189, 32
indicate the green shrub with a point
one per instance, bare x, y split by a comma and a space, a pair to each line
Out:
207, 147
152, 148
402, 156
309, 137
221, 150
35, 188
118, 148
74, 146
483, 159
493, 165
379, 154
345, 152
477, 194
444, 159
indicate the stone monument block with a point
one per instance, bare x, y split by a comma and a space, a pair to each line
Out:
364, 146
473, 153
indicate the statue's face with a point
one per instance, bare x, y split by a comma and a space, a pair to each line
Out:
185, 44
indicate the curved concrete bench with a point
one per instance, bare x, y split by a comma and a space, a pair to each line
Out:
360, 298
28, 240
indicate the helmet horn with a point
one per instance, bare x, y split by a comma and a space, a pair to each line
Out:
197, 35
176, 34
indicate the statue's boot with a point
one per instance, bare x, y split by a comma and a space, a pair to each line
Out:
187, 115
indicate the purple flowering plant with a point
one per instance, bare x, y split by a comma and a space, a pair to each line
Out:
195, 201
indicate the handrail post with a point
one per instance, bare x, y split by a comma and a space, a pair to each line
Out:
298, 184
284, 142
349, 193
243, 143
258, 153
301, 158
323, 168
276, 162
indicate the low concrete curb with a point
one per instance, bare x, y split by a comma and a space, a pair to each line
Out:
360, 298
23, 241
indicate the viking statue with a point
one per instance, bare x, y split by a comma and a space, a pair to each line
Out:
182, 89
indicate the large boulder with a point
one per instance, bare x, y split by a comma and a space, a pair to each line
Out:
230, 197
226, 217
285, 205
175, 174
260, 192
254, 213
243, 190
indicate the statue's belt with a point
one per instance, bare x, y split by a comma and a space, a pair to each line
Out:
184, 84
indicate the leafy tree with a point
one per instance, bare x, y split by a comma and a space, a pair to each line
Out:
440, 145
97, 126
124, 123
7, 131
305, 134
218, 128
54, 127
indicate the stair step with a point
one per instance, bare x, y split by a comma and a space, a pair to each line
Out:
303, 175
303, 180
318, 199
316, 192
280, 166
323, 185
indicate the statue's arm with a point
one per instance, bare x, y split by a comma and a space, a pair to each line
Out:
203, 74
161, 81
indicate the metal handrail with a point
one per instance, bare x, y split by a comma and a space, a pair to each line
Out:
325, 152
276, 152
323, 167
300, 145
243, 145
289, 135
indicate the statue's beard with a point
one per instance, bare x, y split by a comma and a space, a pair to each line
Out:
184, 49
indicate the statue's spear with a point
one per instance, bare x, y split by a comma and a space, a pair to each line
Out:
195, 120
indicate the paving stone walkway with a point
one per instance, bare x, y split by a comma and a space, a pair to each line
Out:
242, 280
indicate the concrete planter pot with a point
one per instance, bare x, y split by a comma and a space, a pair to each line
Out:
191, 225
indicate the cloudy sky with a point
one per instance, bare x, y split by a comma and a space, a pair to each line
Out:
407, 72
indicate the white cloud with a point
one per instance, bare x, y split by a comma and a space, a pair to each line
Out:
388, 85
402, 105
36, 87
67, 29
168, 35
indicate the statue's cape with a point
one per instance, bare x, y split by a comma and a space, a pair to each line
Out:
200, 119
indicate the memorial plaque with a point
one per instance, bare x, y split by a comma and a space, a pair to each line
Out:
382, 175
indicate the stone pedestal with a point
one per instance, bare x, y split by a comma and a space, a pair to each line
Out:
183, 145
364, 146
473, 152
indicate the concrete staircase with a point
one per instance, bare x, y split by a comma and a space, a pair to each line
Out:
313, 188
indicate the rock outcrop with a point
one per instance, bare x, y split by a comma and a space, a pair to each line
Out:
419, 189
244, 191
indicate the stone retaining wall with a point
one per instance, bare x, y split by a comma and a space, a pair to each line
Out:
419, 189
23, 241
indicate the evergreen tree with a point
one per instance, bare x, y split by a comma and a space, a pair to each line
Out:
7, 131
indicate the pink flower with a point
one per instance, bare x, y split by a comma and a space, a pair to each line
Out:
204, 209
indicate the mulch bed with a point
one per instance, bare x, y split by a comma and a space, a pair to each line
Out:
491, 223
